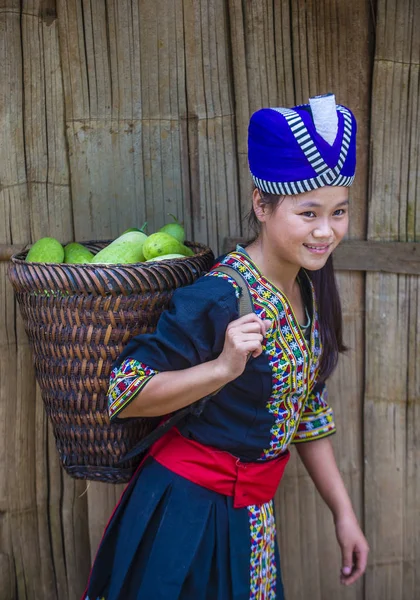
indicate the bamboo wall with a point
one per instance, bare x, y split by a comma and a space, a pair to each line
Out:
114, 112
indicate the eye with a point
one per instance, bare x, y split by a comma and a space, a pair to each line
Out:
340, 212
308, 213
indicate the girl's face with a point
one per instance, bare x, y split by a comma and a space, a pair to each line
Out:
303, 230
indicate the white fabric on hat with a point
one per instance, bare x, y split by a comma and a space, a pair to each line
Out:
324, 113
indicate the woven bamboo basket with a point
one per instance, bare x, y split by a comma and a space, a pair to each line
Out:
78, 319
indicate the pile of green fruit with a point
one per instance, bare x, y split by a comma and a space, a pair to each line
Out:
132, 246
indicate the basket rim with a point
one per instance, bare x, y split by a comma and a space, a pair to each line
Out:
101, 279
19, 258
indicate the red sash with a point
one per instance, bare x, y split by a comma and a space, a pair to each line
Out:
247, 483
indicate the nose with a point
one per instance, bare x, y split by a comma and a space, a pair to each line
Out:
323, 229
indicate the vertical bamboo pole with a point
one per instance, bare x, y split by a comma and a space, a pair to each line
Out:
211, 123
392, 305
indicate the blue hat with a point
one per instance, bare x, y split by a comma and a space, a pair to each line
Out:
295, 150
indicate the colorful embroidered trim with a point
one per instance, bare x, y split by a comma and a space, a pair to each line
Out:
215, 273
125, 382
294, 369
317, 420
263, 569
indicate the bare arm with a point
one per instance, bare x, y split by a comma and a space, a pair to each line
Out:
319, 460
172, 390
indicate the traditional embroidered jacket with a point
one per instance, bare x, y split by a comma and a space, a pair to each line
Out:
276, 401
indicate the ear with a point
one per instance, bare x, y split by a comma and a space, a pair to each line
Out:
260, 207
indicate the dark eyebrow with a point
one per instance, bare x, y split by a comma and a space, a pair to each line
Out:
312, 204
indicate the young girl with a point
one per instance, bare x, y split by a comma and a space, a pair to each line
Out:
196, 522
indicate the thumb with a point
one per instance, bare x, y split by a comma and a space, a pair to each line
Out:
267, 324
347, 561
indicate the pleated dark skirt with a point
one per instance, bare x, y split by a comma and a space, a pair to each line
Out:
170, 539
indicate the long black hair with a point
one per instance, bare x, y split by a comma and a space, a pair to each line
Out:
327, 296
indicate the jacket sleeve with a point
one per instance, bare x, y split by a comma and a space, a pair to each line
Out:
317, 418
190, 332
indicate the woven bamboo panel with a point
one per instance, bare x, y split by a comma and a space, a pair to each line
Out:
116, 113
392, 391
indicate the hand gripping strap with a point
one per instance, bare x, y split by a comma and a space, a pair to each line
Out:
245, 307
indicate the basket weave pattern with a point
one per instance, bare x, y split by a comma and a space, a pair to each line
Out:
78, 319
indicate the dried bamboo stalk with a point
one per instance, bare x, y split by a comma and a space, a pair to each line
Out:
392, 342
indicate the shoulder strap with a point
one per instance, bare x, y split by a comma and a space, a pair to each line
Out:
245, 301
245, 307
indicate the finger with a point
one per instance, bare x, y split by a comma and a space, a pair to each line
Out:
264, 324
251, 322
237, 339
238, 333
267, 325
243, 336
359, 568
351, 578
247, 343
254, 348
362, 558
252, 327
250, 337
248, 319
347, 560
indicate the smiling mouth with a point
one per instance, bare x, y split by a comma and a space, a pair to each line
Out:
319, 249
